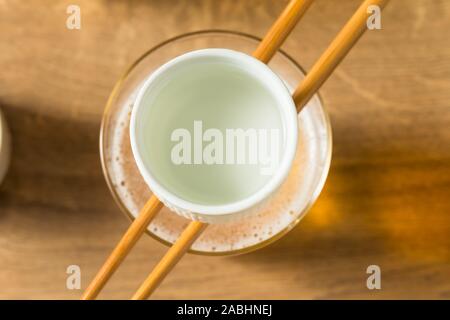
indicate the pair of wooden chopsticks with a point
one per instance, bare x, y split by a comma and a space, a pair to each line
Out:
321, 70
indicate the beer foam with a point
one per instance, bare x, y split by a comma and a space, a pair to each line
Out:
280, 213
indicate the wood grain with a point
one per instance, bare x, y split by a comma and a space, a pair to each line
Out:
386, 200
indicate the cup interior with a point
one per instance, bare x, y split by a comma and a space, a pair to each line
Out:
196, 110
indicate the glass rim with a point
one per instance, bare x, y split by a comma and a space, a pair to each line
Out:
124, 209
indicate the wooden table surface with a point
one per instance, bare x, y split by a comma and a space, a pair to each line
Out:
386, 201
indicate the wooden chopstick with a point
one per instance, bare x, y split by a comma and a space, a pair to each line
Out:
332, 56
170, 259
281, 29
271, 42
124, 246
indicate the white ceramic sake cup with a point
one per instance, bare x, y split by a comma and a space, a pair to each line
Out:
287, 111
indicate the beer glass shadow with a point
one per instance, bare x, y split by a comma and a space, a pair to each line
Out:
385, 205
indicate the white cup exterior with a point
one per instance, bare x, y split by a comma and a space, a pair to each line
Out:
251, 204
